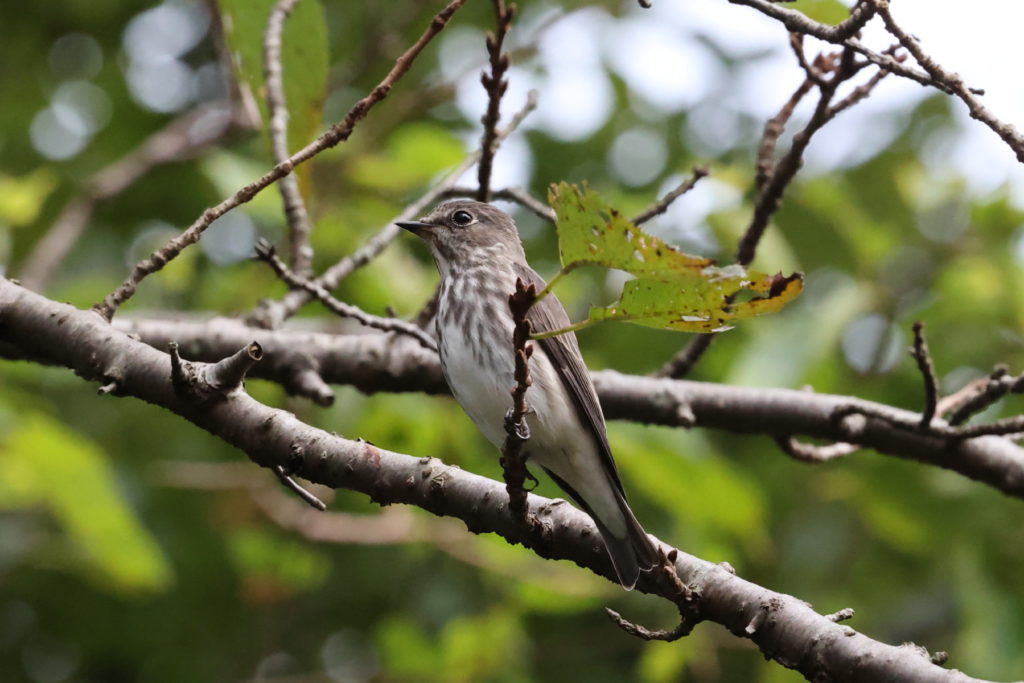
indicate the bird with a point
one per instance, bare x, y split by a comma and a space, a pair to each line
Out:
479, 256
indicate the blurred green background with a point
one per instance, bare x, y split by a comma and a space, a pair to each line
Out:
134, 547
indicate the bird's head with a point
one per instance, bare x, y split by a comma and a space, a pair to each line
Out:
465, 232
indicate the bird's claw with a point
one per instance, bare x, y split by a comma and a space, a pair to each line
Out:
519, 428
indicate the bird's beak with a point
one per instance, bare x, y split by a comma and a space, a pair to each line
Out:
415, 227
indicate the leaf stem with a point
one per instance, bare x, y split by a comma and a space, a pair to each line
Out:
564, 330
566, 269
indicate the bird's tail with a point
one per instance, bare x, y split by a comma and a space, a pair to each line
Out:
632, 551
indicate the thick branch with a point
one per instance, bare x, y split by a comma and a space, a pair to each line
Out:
784, 628
379, 363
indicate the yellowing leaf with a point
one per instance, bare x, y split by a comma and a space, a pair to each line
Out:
697, 304
673, 290
45, 464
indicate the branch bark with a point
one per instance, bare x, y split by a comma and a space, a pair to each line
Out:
373, 362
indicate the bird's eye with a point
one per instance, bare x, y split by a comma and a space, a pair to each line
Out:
462, 218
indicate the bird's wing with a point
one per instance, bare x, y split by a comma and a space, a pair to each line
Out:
564, 353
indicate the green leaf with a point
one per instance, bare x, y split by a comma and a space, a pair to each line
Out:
45, 464
673, 290
303, 59
592, 233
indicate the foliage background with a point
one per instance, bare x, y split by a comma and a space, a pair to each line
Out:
111, 570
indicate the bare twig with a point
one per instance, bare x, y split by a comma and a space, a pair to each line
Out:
924, 363
180, 139
772, 178
661, 206
1003, 427
299, 228
294, 486
265, 252
337, 133
682, 363
687, 601
770, 193
796, 43
270, 314
798, 22
495, 85
955, 84
979, 395
517, 432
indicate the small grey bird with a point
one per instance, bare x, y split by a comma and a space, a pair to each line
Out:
477, 251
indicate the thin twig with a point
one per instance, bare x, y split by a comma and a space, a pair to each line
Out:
798, 22
1003, 427
981, 394
299, 227
297, 488
495, 85
661, 206
1006, 131
773, 129
337, 133
180, 139
682, 363
271, 314
796, 43
686, 600
924, 363
265, 252
770, 194
517, 432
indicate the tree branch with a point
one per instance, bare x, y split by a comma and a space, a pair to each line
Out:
299, 228
784, 628
271, 314
495, 85
374, 363
265, 252
337, 133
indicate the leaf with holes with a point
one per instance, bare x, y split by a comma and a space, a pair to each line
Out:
672, 290
700, 304
592, 233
